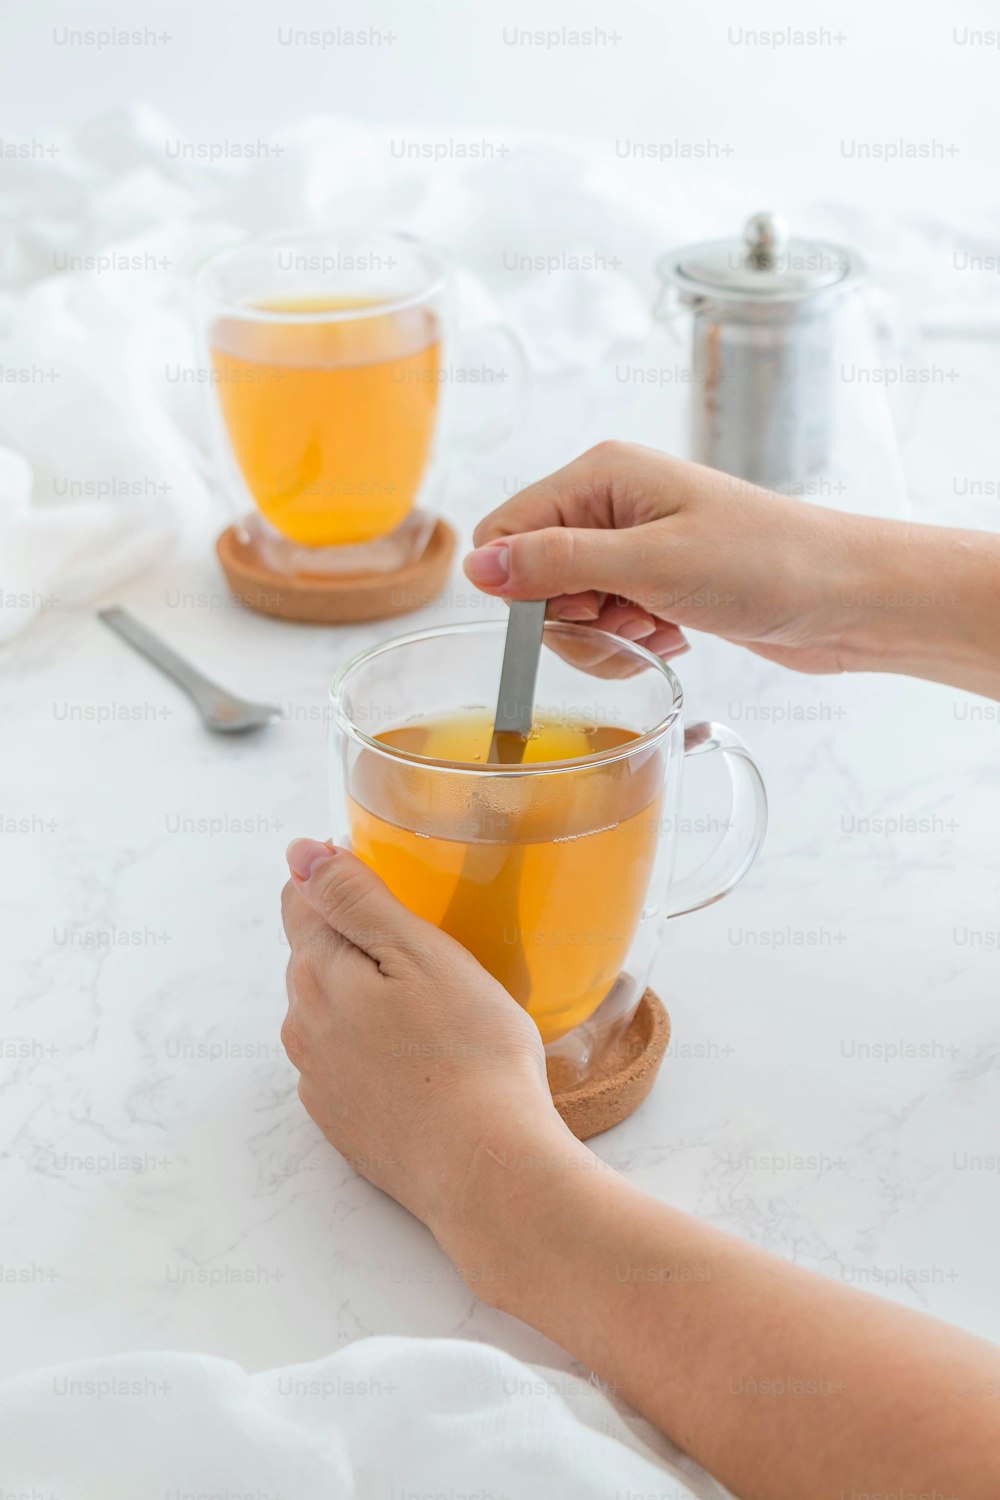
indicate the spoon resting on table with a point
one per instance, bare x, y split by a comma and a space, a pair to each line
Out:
221, 711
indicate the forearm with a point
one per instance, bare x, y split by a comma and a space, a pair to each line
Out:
924, 601
779, 1382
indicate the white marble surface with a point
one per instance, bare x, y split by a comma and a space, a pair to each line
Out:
161, 1186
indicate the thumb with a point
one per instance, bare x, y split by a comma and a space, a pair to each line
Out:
563, 560
354, 902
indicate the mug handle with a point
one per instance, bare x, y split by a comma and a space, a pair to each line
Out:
744, 832
495, 435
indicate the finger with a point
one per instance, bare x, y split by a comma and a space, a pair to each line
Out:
630, 621
355, 903
662, 637
666, 641
314, 942
578, 609
297, 917
575, 495
605, 487
563, 560
594, 652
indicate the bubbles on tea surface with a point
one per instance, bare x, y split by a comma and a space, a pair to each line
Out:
587, 833
567, 737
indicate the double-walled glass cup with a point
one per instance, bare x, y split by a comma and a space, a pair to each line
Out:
554, 873
333, 363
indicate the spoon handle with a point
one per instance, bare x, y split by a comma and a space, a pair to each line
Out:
199, 687
516, 699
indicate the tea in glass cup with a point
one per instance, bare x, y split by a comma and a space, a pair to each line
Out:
330, 404
331, 361
554, 872
545, 885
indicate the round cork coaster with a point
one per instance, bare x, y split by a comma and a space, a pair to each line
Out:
624, 1077
350, 599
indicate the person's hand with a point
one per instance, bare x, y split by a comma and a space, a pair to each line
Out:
640, 544
413, 1060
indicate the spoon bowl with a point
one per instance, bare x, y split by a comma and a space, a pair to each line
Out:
221, 711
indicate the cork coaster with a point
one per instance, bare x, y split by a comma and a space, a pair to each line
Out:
350, 599
623, 1079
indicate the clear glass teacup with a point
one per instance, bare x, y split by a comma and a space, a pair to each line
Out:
555, 873
336, 365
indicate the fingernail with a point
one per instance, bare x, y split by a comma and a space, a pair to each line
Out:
636, 630
306, 855
577, 614
664, 642
489, 565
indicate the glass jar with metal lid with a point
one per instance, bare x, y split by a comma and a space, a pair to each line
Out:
763, 341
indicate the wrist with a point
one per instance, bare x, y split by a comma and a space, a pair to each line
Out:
922, 601
871, 595
516, 1201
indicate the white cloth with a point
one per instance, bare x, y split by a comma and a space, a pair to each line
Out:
382, 1419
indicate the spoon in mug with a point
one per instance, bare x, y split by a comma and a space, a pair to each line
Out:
221, 711
518, 675
483, 864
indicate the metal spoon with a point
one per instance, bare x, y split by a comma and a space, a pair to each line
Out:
221, 711
518, 675
484, 863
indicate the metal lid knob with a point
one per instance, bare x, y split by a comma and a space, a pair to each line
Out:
766, 236
765, 266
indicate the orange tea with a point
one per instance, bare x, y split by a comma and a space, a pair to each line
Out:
542, 878
331, 422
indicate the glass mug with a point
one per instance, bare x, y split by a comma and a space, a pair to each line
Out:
331, 363
554, 873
